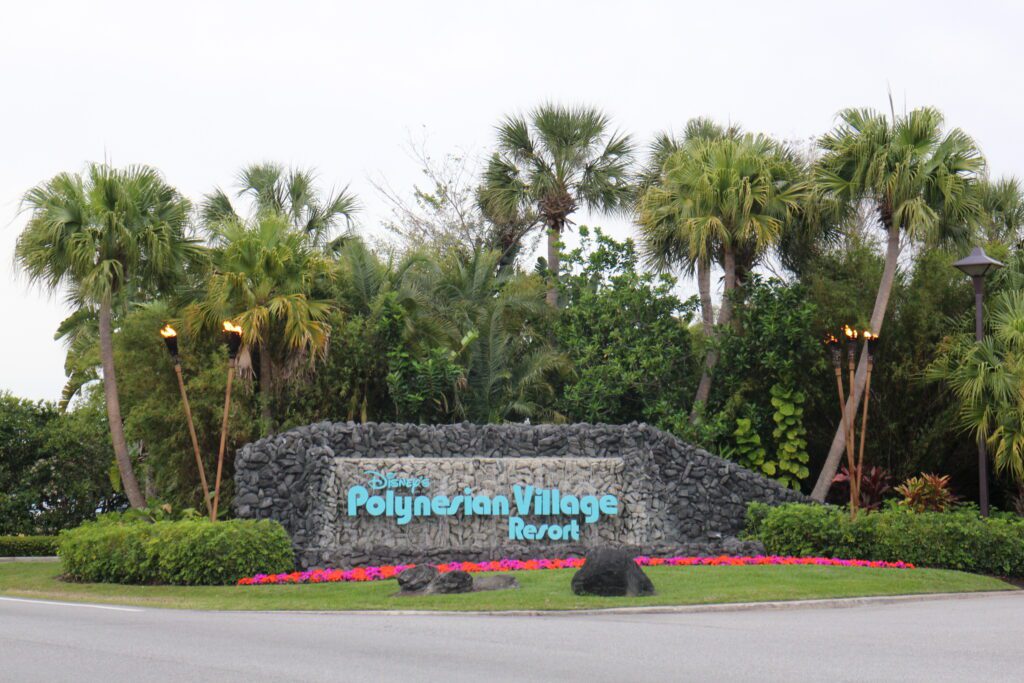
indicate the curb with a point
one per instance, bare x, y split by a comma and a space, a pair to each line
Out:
826, 603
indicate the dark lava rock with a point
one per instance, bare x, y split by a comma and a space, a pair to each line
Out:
494, 582
452, 582
416, 579
611, 571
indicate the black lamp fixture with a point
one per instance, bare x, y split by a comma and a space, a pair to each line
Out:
977, 265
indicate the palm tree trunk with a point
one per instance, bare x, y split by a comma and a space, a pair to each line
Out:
724, 317
124, 462
554, 237
729, 266
704, 289
835, 453
266, 378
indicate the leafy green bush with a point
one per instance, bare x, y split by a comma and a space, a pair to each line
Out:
186, 552
959, 539
756, 512
27, 546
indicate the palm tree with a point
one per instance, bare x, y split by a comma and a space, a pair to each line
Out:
922, 185
265, 275
725, 198
561, 159
111, 237
660, 253
1002, 206
987, 379
491, 319
288, 192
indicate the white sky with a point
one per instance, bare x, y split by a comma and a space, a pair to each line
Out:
199, 89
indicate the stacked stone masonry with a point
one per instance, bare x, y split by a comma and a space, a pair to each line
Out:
674, 498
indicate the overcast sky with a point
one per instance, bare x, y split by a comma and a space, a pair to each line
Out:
199, 89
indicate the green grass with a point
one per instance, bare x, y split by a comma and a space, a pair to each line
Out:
541, 590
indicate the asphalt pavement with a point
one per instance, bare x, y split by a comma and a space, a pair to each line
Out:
968, 639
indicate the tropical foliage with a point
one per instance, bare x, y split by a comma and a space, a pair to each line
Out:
444, 323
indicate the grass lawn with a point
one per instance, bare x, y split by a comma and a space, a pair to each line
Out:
541, 590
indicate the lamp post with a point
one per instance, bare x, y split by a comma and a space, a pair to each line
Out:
171, 341
233, 338
977, 265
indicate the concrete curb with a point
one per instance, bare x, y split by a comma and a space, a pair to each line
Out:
828, 603
43, 558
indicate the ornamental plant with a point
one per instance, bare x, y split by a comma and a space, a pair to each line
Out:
790, 435
749, 451
361, 574
927, 493
875, 484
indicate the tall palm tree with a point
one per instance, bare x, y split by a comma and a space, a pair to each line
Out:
921, 183
110, 237
660, 253
264, 277
288, 192
561, 159
725, 198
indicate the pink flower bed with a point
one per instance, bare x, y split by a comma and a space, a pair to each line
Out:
391, 571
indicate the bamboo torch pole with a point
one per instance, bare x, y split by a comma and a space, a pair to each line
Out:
171, 340
233, 336
870, 340
836, 352
851, 363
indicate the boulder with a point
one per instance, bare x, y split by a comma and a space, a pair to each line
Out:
494, 582
452, 582
416, 579
611, 572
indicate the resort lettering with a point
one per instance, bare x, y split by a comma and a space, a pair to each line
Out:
379, 499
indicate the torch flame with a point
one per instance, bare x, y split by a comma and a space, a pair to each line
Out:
831, 339
868, 336
231, 327
168, 332
849, 332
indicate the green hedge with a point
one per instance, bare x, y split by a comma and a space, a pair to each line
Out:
28, 546
188, 552
960, 539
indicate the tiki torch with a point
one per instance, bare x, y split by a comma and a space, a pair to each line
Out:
835, 349
171, 340
851, 427
233, 339
871, 342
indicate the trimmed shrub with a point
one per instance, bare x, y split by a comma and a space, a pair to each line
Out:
187, 552
959, 539
28, 546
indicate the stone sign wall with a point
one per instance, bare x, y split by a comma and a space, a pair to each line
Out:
671, 497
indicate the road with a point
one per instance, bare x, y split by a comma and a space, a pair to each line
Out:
979, 638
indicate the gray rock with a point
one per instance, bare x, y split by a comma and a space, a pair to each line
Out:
611, 572
494, 582
417, 578
452, 582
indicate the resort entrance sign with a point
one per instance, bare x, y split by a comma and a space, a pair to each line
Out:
405, 500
